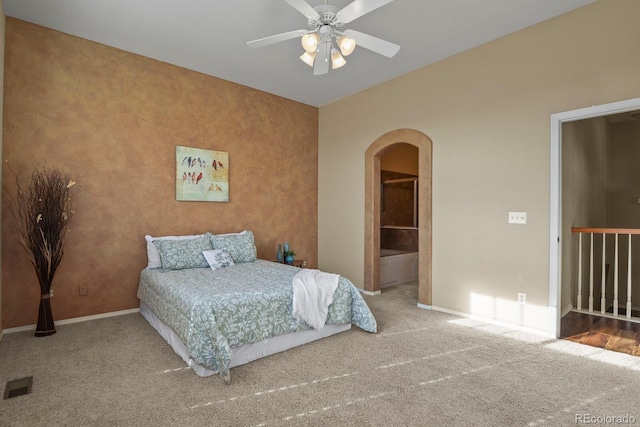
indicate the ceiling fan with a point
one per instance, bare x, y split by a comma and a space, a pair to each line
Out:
326, 24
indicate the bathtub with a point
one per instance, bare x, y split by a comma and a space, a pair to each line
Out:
397, 267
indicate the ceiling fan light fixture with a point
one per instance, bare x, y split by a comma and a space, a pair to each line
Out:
325, 37
308, 58
310, 42
337, 60
346, 45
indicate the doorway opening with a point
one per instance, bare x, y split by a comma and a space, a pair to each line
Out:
373, 222
560, 296
399, 249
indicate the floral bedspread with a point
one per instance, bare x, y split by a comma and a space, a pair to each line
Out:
213, 311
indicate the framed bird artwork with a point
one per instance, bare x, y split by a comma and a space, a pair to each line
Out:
202, 175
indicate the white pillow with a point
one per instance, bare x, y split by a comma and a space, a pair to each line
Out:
233, 234
153, 256
218, 258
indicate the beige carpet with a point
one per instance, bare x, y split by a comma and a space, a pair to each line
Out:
423, 368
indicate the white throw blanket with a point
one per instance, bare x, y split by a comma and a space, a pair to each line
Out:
312, 294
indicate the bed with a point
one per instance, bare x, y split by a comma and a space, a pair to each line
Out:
218, 306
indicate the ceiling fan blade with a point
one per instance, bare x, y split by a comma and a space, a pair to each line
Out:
358, 8
304, 8
277, 38
321, 64
375, 44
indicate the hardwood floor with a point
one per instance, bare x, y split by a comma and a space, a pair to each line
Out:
612, 334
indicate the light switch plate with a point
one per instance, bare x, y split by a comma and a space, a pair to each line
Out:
517, 217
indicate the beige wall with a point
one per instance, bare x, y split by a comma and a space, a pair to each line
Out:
623, 210
2, 28
112, 120
585, 168
487, 111
624, 184
401, 158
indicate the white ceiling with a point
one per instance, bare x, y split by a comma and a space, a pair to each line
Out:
210, 36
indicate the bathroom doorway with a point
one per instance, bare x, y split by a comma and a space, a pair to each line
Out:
399, 207
374, 155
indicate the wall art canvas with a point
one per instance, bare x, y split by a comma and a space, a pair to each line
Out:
202, 175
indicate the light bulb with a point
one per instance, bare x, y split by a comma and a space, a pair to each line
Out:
346, 45
308, 58
337, 60
310, 42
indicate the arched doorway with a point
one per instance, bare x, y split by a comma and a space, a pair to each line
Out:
372, 210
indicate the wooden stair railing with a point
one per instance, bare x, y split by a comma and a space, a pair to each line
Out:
604, 232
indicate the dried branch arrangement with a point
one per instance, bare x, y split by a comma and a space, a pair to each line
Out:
42, 208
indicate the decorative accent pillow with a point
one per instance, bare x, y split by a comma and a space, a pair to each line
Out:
153, 256
181, 254
218, 259
240, 246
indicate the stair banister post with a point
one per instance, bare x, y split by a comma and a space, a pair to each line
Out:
615, 278
591, 275
603, 277
579, 297
629, 280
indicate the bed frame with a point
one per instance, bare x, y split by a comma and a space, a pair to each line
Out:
245, 353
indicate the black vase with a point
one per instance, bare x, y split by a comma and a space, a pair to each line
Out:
45, 324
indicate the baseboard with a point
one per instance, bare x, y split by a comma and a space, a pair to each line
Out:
624, 306
75, 320
496, 322
566, 310
362, 291
621, 306
425, 307
388, 285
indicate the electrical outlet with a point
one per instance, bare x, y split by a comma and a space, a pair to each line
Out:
522, 298
517, 217
83, 290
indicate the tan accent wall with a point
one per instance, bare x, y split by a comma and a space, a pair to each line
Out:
487, 111
112, 119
